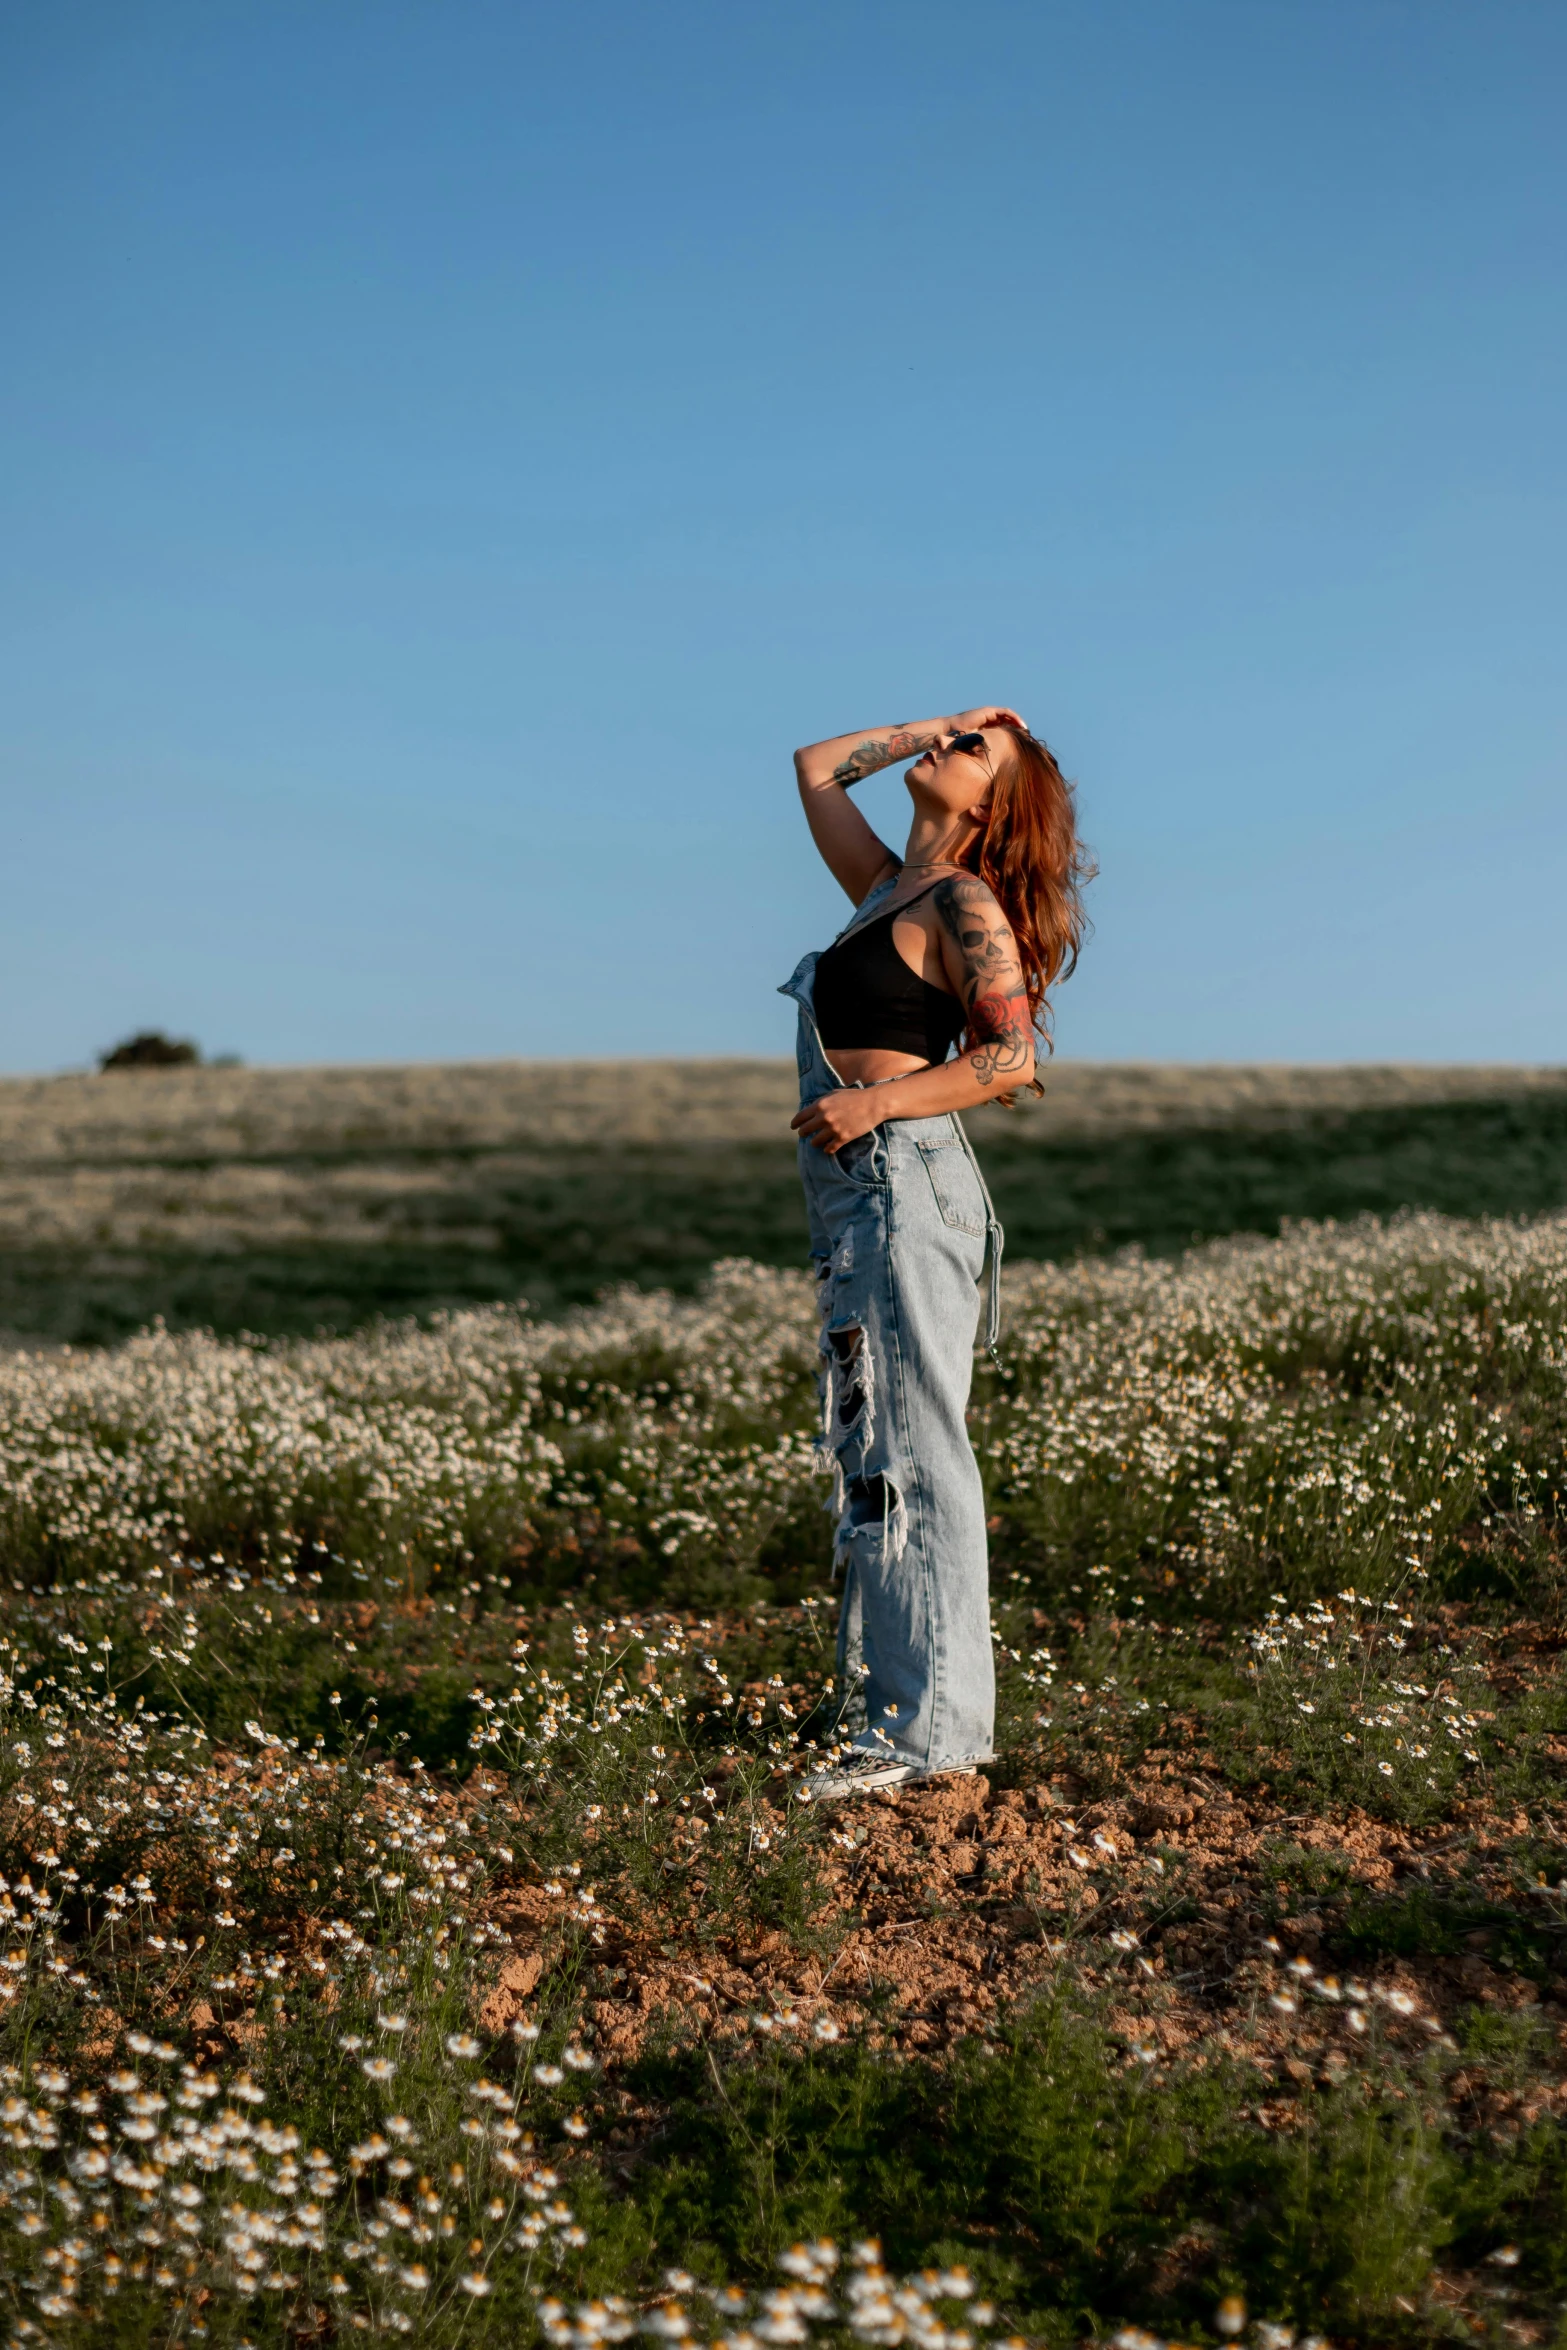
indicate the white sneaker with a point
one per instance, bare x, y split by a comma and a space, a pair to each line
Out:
863, 1771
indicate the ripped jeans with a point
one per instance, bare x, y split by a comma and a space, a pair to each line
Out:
899, 1221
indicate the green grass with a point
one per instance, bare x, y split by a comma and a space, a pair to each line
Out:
1063, 2179
321, 1702
1081, 2189
559, 1227
1170, 1186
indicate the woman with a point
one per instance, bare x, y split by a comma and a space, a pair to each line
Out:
954, 943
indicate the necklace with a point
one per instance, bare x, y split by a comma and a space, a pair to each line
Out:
928, 864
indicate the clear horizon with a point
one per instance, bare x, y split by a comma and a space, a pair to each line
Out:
226, 1062
449, 459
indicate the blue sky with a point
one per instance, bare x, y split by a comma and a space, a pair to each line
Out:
450, 454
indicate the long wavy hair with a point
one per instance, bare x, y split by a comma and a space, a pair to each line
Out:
1033, 860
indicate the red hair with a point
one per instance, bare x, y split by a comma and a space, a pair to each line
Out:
1036, 866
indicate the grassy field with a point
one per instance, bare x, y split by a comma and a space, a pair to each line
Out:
411, 1926
289, 1200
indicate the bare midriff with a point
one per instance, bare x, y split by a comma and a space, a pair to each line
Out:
869, 1064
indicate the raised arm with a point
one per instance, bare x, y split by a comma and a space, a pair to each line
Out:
855, 855
846, 759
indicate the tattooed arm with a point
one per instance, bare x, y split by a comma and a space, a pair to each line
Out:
981, 959
846, 759
855, 855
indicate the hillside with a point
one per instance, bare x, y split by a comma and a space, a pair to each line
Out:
287, 1199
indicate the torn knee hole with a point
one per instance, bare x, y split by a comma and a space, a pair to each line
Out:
848, 1347
874, 1524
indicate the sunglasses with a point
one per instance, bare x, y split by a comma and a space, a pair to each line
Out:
974, 744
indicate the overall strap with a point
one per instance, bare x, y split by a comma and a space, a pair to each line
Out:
995, 1243
854, 924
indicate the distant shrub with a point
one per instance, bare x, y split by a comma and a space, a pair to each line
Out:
151, 1049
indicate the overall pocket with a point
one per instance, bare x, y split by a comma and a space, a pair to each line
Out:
863, 1161
955, 1184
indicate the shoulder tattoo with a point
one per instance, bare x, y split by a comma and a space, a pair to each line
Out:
994, 992
969, 914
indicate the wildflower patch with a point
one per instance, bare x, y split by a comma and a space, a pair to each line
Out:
407, 1925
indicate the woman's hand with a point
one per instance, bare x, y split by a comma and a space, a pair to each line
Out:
836, 1118
988, 714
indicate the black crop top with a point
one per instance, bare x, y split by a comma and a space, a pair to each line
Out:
867, 998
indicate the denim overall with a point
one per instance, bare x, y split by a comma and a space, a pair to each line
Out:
899, 1222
